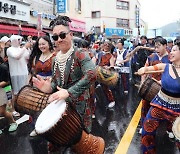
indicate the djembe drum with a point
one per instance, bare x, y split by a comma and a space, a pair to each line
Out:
106, 76
60, 124
30, 100
149, 89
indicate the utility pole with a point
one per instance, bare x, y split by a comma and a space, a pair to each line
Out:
54, 7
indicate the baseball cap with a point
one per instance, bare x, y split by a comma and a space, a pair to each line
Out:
169, 41
4, 39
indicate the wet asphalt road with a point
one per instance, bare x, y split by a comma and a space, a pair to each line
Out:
109, 124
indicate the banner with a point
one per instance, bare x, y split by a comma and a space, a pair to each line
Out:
61, 6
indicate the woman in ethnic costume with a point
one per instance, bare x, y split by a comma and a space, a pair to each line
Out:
106, 59
160, 56
166, 104
40, 61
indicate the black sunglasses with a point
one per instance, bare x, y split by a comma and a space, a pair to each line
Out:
62, 35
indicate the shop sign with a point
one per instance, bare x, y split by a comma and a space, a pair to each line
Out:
114, 31
77, 25
43, 15
13, 10
61, 6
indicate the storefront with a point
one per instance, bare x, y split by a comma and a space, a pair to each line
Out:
15, 18
78, 27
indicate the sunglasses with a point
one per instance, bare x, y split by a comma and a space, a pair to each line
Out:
62, 35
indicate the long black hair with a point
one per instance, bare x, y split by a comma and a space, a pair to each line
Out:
36, 52
178, 43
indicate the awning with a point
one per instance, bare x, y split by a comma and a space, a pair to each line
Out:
13, 29
31, 31
9, 29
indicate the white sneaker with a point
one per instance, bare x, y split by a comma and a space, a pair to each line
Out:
111, 104
16, 114
125, 92
98, 86
93, 116
33, 133
170, 134
140, 131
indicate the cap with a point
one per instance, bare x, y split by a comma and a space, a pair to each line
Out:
15, 37
169, 41
4, 39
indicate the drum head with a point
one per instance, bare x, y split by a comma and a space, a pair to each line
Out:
50, 116
176, 128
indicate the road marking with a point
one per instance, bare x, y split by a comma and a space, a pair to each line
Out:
128, 135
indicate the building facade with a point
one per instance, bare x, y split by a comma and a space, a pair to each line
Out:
25, 17
115, 18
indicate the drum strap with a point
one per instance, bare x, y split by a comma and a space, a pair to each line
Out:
175, 72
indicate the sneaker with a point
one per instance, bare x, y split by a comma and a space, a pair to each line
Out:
33, 133
16, 114
93, 116
111, 104
1, 132
170, 134
98, 86
125, 92
13, 127
140, 131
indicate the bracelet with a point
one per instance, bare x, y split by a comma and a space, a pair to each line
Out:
155, 68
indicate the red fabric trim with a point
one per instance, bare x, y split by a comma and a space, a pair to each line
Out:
169, 110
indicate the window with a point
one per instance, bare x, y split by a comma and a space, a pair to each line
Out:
122, 23
122, 5
96, 14
97, 29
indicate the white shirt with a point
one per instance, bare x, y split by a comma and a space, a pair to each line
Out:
119, 56
17, 58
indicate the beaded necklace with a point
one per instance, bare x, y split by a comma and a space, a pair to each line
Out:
60, 62
176, 66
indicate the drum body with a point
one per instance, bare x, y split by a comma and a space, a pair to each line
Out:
60, 124
149, 89
30, 100
106, 76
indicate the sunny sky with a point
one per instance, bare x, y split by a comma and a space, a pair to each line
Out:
159, 12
